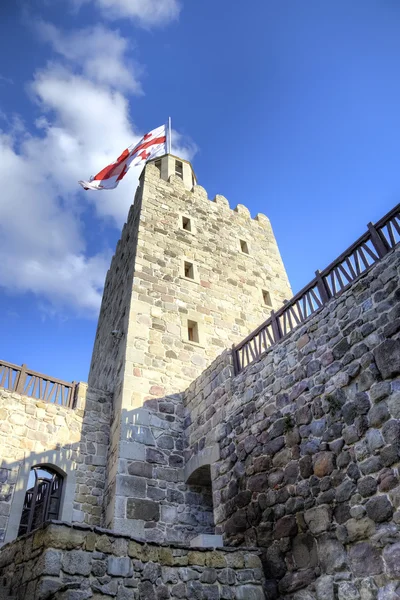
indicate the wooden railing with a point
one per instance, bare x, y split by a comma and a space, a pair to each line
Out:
36, 385
378, 240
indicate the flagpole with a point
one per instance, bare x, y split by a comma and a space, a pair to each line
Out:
169, 136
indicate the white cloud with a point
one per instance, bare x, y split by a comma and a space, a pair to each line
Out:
183, 146
100, 52
84, 125
5, 80
147, 13
41, 243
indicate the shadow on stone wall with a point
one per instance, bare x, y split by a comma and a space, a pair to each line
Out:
63, 562
152, 499
309, 464
72, 441
309, 444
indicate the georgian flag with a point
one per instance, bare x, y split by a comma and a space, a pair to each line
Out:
151, 145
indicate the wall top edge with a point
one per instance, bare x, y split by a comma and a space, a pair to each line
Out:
52, 525
151, 173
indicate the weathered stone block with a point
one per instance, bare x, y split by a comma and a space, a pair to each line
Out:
285, 527
324, 588
129, 485
365, 560
237, 523
50, 562
304, 550
348, 591
359, 529
332, 555
374, 439
147, 591
77, 562
391, 431
258, 482
345, 490
368, 589
141, 469
155, 456
393, 403
146, 510
294, 581
119, 566
371, 465
274, 564
391, 556
151, 571
165, 442
318, 519
387, 358
378, 414
47, 588
379, 509
249, 592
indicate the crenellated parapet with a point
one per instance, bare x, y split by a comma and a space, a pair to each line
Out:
185, 181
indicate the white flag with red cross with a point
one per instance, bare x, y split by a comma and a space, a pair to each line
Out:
151, 145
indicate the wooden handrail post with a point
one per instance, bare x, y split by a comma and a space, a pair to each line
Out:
377, 240
21, 380
72, 395
276, 330
235, 360
323, 289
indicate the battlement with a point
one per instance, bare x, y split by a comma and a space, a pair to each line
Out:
186, 181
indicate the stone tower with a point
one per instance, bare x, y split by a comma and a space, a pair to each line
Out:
189, 278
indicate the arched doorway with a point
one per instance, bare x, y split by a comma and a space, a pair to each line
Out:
42, 498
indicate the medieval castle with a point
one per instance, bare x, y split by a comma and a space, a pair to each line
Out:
232, 442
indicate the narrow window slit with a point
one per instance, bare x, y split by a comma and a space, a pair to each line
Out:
193, 331
188, 270
267, 298
186, 224
244, 247
179, 169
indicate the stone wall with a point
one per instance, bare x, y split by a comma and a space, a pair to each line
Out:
153, 502
142, 349
74, 441
109, 352
148, 299
223, 296
75, 563
309, 447
108, 370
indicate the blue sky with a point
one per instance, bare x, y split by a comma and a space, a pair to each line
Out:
288, 107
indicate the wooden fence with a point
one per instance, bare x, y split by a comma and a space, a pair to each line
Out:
378, 240
36, 385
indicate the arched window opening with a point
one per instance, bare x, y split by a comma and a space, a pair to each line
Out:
42, 498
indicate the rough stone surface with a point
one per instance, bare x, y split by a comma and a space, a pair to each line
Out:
387, 357
123, 568
150, 298
76, 439
297, 454
339, 480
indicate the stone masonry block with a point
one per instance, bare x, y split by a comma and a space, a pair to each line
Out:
119, 566
387, 357
77, 562
146, 510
